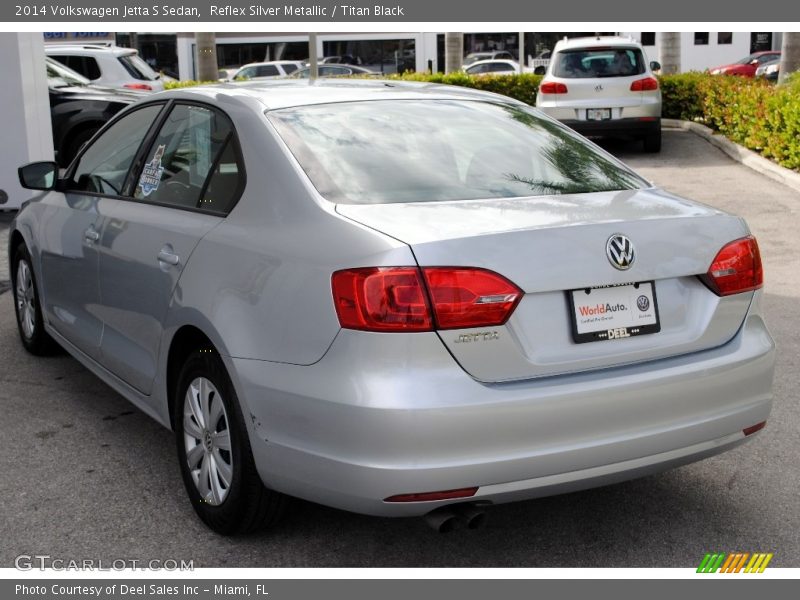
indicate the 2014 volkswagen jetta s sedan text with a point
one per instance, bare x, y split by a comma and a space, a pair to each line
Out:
391, 298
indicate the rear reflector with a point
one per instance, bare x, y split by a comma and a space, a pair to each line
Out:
648, 84
552, 87
736, 268
754, 428
138, 86
407, 299
430, 496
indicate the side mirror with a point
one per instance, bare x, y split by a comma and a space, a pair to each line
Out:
754, 61
39, 176
655, 65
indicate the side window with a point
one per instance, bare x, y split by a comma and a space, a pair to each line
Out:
267, 71
85, 65
289, 68
194, 143
104, 165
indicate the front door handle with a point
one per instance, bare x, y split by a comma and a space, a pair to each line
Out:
167, 256
91, 235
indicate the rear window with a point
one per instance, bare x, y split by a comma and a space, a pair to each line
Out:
599, 62
289, 68
381, 152
137, 68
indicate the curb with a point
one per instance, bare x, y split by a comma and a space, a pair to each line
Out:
739, 153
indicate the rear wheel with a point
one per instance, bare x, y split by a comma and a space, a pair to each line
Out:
214, 451
652, 141
26, 303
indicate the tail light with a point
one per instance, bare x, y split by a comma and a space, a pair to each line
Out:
736, 268
411, 299
552, 87
138, 86
648, 84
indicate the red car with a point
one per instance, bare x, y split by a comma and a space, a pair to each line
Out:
748, 65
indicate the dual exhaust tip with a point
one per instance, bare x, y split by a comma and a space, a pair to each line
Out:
452, 517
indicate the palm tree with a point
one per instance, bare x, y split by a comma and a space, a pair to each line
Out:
453, 52
790, 55
206, 45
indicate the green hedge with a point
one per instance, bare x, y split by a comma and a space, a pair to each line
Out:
752, 112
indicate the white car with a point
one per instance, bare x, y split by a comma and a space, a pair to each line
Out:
603, 86
109, 66
268, 70
490, 55
492, 67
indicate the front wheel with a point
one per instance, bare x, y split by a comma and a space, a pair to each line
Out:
26, 303
214, 452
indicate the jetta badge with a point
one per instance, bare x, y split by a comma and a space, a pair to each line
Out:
620, 252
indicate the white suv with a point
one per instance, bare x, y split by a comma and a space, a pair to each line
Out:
603, 86
109, 66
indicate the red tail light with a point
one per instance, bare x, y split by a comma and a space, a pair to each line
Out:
648, 84
464, 298
138, 86
753, 428
411, 299
736, 268
552, 87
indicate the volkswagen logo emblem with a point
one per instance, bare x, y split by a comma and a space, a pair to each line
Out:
598, 88
643, 302
620, 252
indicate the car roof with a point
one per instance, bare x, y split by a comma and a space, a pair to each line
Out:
271, 62
287, 93
490, 61
87, 49
596, 41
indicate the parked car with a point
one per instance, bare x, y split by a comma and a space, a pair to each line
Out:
747, 66
332, 71
79, 108
770, 70
268, 70
344, 59
474, 57
603, 86
110, 66
391, 298
492, 67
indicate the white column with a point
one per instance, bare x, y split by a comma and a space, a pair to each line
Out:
25, 118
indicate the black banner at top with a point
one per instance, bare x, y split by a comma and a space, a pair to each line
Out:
438, 11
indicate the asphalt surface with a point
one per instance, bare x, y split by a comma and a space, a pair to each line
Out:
86, 475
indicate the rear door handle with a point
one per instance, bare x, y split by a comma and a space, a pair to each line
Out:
91, 235
167, 256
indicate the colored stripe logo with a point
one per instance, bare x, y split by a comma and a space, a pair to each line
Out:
735, 562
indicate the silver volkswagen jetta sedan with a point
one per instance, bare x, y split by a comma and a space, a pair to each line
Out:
391, 298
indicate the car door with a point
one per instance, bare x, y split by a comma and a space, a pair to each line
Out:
187, 181
73, 224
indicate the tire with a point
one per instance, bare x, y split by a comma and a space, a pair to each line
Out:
652, 142
30, 323
74, 146
222, 482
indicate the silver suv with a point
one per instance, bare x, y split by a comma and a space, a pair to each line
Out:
603, 86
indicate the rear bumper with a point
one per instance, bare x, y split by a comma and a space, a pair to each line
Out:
385, 415
612, 127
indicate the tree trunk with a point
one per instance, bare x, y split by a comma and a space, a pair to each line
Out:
453, 52
206, 44
790, 55
670, 46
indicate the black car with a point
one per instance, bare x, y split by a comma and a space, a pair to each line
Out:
78, 109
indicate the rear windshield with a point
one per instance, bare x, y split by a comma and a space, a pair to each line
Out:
137, 68
599, 62
382, 152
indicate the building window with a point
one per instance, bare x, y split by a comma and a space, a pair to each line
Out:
649, 39
701, 39
724, 37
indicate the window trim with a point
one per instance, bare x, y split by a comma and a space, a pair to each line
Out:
167, 105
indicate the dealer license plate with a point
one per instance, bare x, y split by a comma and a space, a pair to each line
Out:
598, 114
613, 312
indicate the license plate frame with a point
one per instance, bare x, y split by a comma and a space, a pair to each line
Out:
598, 114
591, 323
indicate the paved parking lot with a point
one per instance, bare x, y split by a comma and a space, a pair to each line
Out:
88, 476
